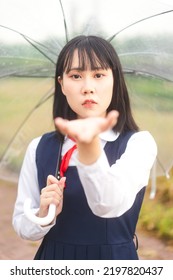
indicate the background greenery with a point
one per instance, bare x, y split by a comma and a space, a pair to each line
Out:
156, 215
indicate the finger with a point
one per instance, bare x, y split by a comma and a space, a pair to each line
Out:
58, 194
51, 180
112, 118
45, 202
48, 198
61, 183
53, 184
113, 114
61, 124
52, 187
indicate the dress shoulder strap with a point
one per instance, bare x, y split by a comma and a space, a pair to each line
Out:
47, 154
115, 149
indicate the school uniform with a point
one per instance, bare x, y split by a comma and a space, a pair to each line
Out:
101, 202
78, 233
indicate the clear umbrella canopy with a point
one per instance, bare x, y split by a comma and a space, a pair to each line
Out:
32, 33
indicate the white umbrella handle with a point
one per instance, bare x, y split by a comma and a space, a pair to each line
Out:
37, 220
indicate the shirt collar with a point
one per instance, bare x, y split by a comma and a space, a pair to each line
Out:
109, 135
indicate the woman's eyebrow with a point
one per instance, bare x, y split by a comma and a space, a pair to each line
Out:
76, 68
80, 69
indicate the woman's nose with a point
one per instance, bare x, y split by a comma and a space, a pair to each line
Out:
88, 91
88, 88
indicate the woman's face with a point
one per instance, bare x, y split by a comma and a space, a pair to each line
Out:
88, 92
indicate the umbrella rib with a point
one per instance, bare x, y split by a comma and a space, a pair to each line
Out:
32, 44
65, 23
139, 72
41, 101
162, 167
24, 76
28, 39
134, 23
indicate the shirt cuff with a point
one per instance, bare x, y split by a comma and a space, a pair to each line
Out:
33, 231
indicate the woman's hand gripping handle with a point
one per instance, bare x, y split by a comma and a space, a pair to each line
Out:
51, 202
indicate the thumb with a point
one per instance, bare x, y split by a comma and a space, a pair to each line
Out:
112, 118
51, 180
61, 183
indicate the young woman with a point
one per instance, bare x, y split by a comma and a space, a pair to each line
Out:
100, 190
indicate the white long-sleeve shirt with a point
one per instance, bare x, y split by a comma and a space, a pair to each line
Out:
110, 191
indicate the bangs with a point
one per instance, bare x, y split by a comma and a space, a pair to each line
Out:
90, 56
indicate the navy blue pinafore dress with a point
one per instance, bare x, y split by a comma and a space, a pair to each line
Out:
79, 234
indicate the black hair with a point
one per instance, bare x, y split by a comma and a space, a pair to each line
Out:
98, 53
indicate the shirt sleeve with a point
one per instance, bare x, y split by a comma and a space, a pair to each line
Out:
28, 188
111, 191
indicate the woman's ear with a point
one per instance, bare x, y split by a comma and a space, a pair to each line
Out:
60, 81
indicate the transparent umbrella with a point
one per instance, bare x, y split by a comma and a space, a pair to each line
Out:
32, 33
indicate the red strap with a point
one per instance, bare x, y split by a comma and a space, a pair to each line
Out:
65, 160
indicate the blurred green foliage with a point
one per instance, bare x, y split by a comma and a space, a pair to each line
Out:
156, 215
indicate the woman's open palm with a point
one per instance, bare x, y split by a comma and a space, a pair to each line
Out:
84, 130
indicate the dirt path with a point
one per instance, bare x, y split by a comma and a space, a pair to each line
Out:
13, 247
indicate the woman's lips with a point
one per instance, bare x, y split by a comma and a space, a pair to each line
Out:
89, 103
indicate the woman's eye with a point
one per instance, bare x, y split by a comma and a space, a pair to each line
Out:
98, 75
76, 77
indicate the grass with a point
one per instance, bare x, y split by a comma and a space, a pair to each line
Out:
156, 214
18, 97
